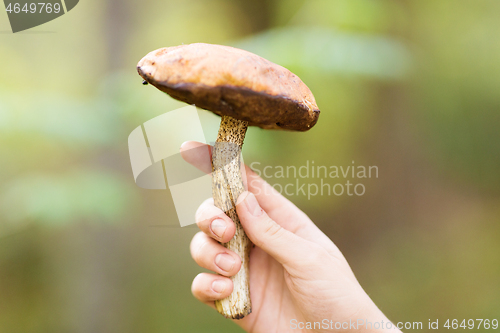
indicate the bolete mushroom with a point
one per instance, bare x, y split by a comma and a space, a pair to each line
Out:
246, 90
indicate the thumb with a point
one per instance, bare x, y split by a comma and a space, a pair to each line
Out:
284, 246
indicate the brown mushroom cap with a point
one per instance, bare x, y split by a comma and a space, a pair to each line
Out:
233, 82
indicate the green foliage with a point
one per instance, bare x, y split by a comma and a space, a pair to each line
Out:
69, 197
328, 51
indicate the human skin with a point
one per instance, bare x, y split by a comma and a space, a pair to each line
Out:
297, 274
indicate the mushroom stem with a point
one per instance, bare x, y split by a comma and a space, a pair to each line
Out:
227, 185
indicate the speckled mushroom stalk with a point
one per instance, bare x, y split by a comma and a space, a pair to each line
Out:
245, 90
227, 185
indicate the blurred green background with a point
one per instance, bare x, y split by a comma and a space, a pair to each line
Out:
412, 87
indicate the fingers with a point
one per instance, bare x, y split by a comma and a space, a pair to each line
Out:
197, 154
286, 247
200, 155
213, 222
280, 209
277, 206
284, 212
211, 255
210, 287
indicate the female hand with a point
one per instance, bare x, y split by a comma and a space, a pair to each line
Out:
297, 275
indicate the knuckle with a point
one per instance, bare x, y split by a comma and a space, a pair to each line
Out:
205, 207
207, 212
200, 213
272, 230
195, 285
317, 254
197, 247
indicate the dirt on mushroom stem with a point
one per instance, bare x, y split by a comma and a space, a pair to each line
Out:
227, 185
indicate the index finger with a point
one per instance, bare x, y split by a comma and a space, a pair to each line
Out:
277, 206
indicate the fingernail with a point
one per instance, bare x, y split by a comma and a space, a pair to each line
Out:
219, 286
218, 227
225, 262
252, 205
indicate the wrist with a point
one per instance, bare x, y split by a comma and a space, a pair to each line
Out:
373, 320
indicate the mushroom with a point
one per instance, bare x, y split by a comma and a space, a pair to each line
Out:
245, 90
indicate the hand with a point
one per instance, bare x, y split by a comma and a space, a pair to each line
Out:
297, 274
